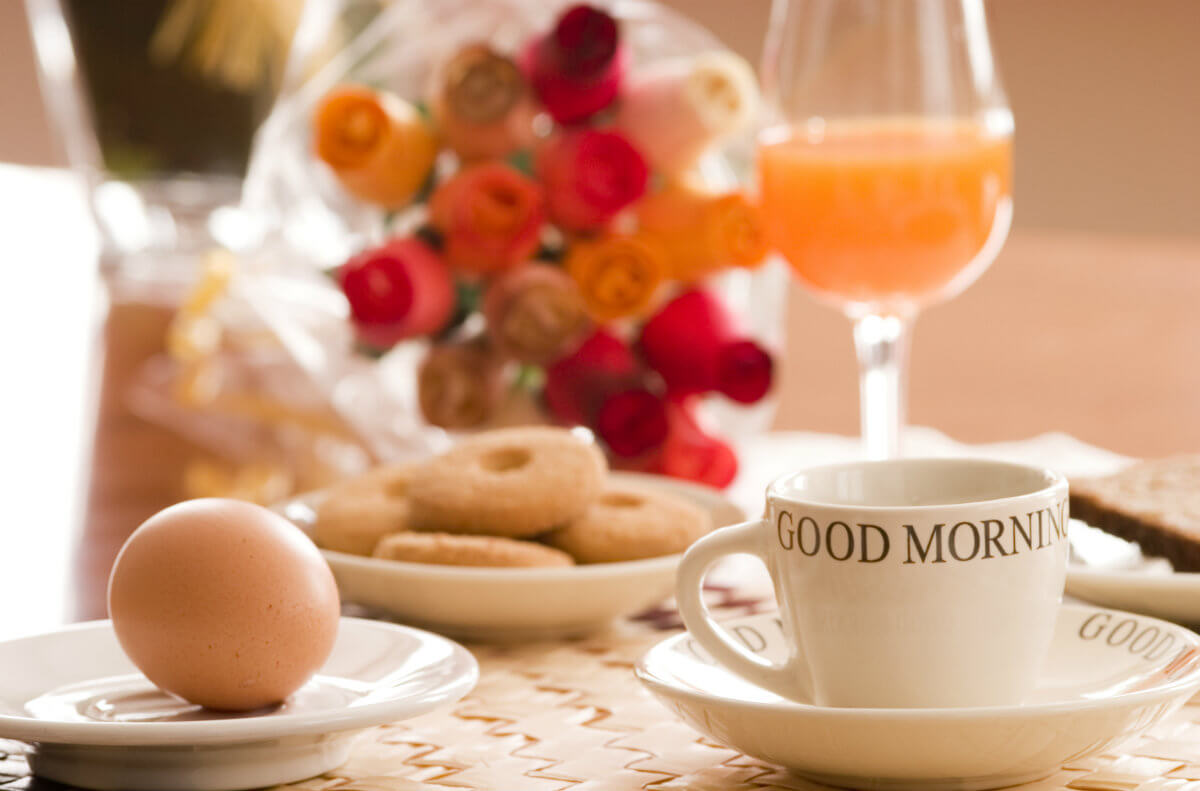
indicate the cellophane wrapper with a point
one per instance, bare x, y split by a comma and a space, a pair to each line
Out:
306, 224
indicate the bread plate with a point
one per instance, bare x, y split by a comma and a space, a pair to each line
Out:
1112, 572
508, 604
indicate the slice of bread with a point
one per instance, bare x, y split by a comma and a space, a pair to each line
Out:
1155, 504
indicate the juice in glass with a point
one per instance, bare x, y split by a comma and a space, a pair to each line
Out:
885, 211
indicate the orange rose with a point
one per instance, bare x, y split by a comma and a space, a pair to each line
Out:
703, 233
380, 147
618, 275
491, 216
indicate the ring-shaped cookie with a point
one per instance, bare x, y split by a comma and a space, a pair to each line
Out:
630, 522
445, 549
516, 483
358, 512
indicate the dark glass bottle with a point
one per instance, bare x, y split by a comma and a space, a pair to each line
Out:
175, 86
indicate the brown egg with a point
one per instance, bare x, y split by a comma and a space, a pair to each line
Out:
223, 603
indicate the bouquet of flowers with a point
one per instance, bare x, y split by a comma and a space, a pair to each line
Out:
544, 226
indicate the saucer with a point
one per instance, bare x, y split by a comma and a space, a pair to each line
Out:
1111, 572
94, 721
1109, 675
506, 604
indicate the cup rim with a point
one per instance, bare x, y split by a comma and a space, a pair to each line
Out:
1055, 481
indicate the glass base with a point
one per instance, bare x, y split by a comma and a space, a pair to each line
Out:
170, 214
155, 231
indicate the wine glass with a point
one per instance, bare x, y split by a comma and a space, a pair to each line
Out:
884, 168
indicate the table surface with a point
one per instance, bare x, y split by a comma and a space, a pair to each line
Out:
1092, 335
571, 716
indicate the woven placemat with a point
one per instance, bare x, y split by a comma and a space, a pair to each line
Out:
571, 716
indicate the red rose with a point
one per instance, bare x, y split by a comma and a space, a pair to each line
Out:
397, 291
692, 453
576, 68
632, 422
590, 176
688, 452
691, 343
577, 384
744, 371
491, 217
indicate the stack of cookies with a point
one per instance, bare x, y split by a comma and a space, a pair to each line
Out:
518, 497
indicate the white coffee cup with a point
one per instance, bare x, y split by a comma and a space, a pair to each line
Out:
912, 583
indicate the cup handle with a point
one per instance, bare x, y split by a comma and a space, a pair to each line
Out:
787, 679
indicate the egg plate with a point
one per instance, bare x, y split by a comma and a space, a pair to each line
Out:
95, 722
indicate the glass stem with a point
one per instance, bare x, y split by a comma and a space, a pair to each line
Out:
882, 346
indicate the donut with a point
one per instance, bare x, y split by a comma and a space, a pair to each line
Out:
356, 513
629, 522
445, 549
515, 482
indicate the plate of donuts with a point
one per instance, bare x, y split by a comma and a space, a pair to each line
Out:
512, 534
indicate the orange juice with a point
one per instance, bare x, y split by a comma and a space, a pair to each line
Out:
883, 211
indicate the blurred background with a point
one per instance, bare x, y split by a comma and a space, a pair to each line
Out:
1086, 323
1103, 91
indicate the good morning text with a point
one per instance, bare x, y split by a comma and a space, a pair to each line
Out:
936, 542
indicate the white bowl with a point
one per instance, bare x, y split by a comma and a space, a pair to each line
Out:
514, 604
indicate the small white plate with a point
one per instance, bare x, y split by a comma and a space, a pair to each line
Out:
1109, 675
514, 604
1112, 572
94, 721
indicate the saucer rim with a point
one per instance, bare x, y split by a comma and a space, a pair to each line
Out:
250, 729
506, 575
1006, 711
1164, 581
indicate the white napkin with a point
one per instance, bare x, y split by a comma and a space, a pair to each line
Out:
766, 457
